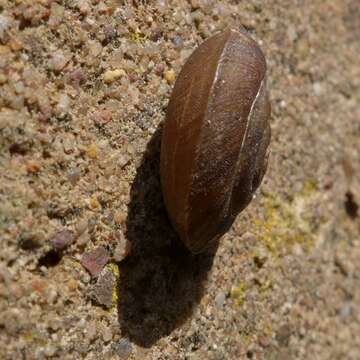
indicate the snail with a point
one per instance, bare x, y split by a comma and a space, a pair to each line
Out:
214, 146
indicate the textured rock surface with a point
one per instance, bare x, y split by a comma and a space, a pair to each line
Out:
81, 153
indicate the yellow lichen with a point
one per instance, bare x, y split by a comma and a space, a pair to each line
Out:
94, 202
237, 293
114, 268
93, 151
286, 223
138, 37
169, 76
268, 330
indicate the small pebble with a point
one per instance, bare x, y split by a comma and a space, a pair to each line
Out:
83, 6
32, 167
17, 102
123, 160
120, 217
109, 33
123, 247
76, 77
81, 227
220, 299
95, 48
63, 105
112, 75
93, 151
122, 348
264, 341
107, 334
62, 239
3, 79
102, 8
91, 331
291, 33
345, 310
318, 88
102, 117
169, 76
4, 50
50, 350
95, 260
57, 61
5, 24
178, 42
73, 176
102, 291
19, 87
94, 202
15, 44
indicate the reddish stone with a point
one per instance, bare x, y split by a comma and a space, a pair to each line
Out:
102, 117
62, 239
95, 260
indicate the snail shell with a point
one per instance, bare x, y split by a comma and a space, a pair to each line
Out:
215, 137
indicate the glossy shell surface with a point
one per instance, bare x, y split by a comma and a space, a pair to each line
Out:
215, 137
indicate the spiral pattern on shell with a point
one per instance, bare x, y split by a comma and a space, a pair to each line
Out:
215, 137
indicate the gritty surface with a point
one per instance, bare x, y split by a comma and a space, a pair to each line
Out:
89, 265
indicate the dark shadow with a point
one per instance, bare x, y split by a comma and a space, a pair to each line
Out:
50, 259
161, 282
351, 205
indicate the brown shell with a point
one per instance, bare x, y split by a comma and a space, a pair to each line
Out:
215, 137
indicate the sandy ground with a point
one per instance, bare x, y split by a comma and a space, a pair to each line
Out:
89, 265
